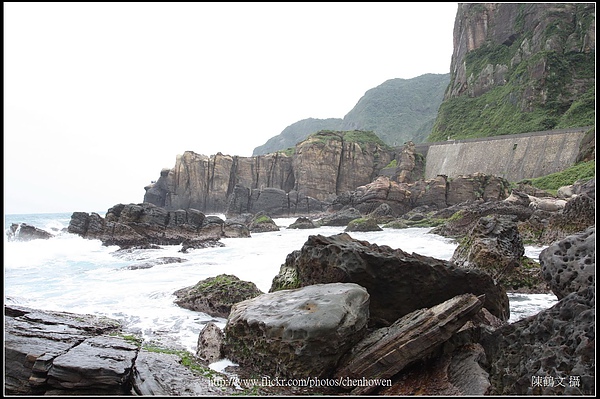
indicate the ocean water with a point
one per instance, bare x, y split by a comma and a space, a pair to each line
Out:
71, 274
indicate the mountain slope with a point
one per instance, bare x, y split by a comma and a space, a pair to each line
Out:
399, 110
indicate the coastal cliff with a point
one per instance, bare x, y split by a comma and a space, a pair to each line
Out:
321, 167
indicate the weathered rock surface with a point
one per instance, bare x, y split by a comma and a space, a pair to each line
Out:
398, 283
386, 351
26, 232
569, 265
363, 224
297, 333
261, 223
303, 223
68, 354
494, 245
340, 218
64, 352
216, 295
552, 353
438, 193
578, 214
162, 374
458, 373
210, 343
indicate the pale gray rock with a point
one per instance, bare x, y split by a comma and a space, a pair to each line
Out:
210, 343
162, 374
297, 333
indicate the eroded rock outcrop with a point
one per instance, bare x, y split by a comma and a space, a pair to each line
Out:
569, 265
145, 224
325, 164
65, 352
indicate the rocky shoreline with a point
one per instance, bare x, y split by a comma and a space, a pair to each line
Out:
378, 319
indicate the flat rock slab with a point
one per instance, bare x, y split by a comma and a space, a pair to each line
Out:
297, 333
64, 352
162, 374
386, 351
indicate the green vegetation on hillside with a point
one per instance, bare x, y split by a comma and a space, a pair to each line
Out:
512, 92
552, 182
399, 110
355, 136
295, 133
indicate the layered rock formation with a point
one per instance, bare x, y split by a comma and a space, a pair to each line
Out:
146, 224
323, 166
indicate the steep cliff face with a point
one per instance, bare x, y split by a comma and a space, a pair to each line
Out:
331, 162
205, 183
519, 67
324, 165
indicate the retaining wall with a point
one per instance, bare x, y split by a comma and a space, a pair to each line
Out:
514, 157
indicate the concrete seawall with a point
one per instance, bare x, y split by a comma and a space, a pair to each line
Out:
514, 157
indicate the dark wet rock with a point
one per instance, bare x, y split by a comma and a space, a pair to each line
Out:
144, 224
188, 246
569, 265
398, 283
303, 223
297, 333
26, 232
261, 223
154, 262
493, 245
216, 295
383, 214
467, 214
62, 351
551, 353
386, 351
458, 373
363, 224
235, 230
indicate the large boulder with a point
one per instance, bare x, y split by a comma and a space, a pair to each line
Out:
494, 245
398, 283
216, 295
569, 265
298, 333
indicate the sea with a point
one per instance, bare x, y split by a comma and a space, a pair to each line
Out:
71, 274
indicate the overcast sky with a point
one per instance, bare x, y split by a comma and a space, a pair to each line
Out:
99, 97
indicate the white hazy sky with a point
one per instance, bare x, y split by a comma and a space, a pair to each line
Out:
99, 97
